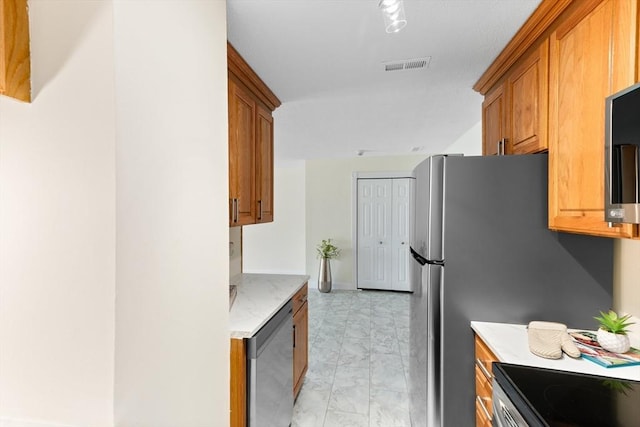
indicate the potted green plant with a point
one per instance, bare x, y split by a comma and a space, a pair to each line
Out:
612, 334
326, 251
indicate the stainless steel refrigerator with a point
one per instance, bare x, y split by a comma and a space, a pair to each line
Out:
482, 251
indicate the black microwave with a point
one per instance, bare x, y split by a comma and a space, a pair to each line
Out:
622, 156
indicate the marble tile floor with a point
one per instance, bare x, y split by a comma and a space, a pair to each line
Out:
358, 361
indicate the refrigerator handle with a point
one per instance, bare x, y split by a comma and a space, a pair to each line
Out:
421, 260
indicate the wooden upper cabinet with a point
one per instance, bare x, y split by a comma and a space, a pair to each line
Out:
514, 113
591, 57
551, 82
251, 104
242, 182
264, 165
494, 122
15, 64
527, 89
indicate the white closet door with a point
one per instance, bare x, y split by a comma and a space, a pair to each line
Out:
401, 232
374, 233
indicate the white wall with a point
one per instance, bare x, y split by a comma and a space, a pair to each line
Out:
626, 291
57, 224
112, 80
235, 251
279, 247
469, 143
329, 208
329, 201
172, 336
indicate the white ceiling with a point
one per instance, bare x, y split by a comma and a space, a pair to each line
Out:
324, 60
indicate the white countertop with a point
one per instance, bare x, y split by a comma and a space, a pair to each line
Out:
510, 344
259, 297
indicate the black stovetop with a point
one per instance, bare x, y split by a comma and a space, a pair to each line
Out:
563, 399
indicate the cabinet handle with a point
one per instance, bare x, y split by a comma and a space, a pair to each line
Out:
259, 209
501, 147
294, 336
484, 370
235, 210
483, 407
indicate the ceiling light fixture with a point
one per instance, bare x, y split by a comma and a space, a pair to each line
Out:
393, 14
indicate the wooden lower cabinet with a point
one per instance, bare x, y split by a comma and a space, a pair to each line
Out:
238, 360
238, 383
484, 389
300, 338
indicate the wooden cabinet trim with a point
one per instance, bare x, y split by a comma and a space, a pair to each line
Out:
541, 19
15, 62
586, 7
238, 66
238, 383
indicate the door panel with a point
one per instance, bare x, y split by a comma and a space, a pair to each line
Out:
401, 232
385, 232
374, 234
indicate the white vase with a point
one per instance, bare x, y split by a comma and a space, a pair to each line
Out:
617, 343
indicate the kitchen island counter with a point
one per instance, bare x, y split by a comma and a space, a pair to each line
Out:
258, 298
509, 342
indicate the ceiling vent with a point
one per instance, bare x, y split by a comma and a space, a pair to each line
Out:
407, 64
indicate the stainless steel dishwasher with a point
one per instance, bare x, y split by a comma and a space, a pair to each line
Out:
270, 372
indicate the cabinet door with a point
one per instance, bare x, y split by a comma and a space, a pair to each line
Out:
590, 58
242, 109
494, 123
300, 346
264, 165
484, 377
527, 89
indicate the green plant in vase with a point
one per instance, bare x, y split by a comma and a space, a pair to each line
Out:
327, 250
612, 334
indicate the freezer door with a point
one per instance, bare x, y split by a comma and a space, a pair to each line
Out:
424, 354
429, 207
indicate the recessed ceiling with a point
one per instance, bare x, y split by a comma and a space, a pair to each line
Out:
325, 60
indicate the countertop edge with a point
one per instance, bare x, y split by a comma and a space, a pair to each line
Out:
259, 297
